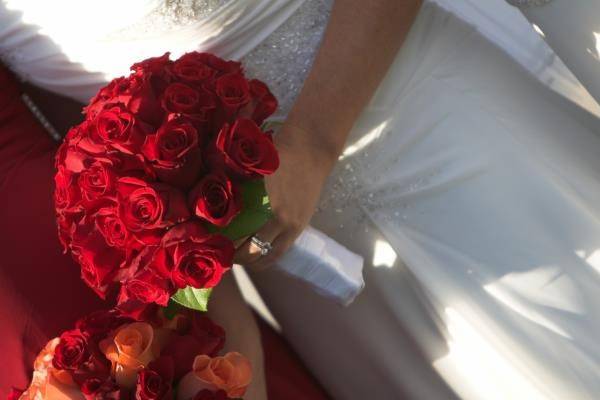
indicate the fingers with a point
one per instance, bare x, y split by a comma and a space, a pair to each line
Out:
280, 246
248, 252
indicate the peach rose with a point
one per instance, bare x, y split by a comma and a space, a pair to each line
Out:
48, 382
231, 373
131, 348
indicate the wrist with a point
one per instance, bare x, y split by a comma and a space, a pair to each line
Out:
318, 144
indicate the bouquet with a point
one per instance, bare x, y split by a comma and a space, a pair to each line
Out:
163, 174
110, 356
152, 188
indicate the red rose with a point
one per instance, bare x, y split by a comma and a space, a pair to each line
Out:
216, 199
146, 206
197, 105
66, 192
174, 152
202, 336
98, 324
95, 388
150, 386
264, 103
193, 71
135, 92
138, 93
115, 127
244, 150
67, 221
96, 276
153, 64
139, 294
97, 180
154, 382
206, 394
131, 165
146, 287
101, 99
101, 264
85, 142
112, 228
72, 351
190, 256
233, 91
210, 60
76, 159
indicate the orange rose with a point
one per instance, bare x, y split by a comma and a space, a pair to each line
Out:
231, 373
48, 382
130, 349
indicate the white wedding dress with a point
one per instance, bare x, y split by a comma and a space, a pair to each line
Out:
470, 184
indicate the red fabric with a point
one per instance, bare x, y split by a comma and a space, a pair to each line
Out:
33, 305
41, 293
287, 378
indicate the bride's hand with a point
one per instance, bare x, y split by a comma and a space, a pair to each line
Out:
294, 191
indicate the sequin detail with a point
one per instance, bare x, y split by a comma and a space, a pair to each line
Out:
285, 57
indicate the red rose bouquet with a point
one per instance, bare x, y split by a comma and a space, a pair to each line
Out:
110, 356
163, 174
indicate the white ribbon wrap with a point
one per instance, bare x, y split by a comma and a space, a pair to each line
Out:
328, 267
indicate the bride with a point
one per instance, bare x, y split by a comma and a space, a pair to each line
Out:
471, 188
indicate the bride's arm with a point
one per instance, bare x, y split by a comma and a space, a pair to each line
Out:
360, 43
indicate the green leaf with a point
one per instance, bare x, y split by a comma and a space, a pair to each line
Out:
196, 299
255, 213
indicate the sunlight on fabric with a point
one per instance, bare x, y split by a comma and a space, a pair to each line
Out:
593, 259
538, 30
383, 254
596, 52
520, 306
76, 48
476, 370
537, 294
365, 140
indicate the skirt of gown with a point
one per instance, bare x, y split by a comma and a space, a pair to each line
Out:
41, 292
474, 194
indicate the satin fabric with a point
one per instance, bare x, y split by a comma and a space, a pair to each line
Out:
578, 46
473, 191
568, 26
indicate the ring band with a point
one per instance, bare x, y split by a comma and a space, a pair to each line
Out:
264, 246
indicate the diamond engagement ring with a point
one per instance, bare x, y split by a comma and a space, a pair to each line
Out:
264, 246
